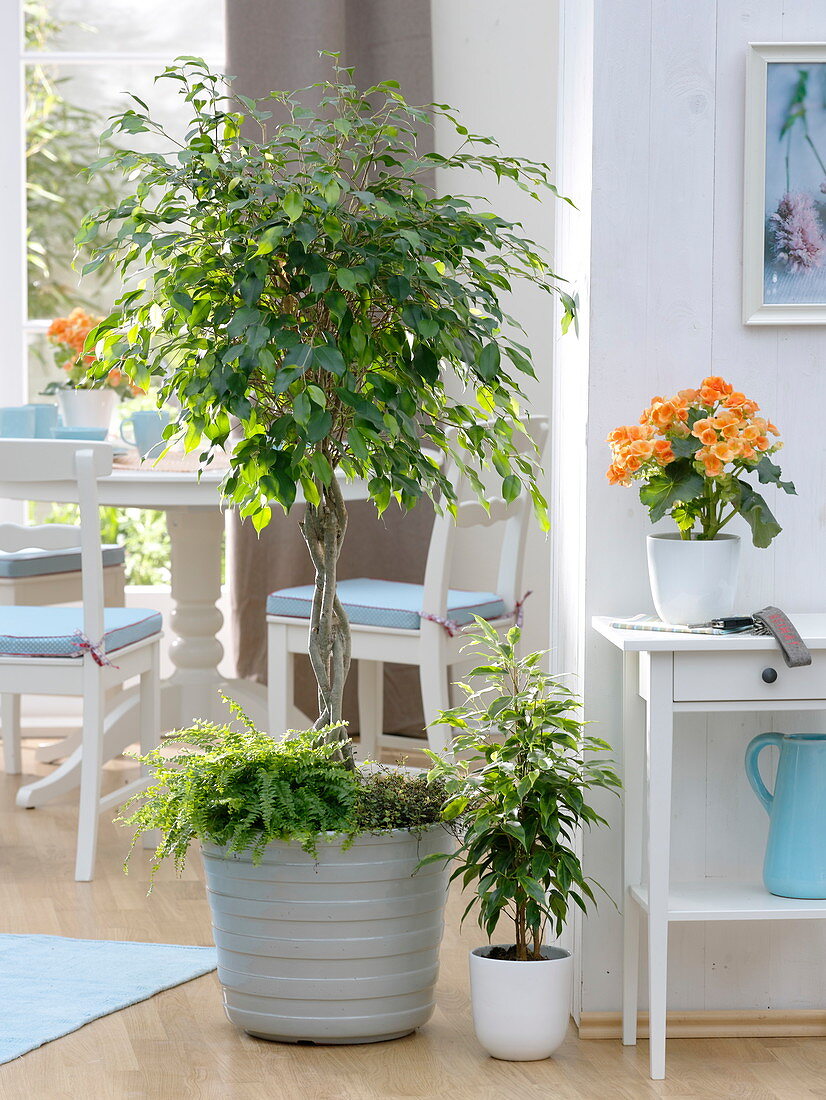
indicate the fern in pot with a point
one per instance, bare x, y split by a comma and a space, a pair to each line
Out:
318, 314
518, 791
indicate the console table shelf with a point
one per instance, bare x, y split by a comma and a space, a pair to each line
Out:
665, 674
718, 899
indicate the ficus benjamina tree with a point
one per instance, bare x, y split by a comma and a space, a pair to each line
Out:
317, 310
520, 786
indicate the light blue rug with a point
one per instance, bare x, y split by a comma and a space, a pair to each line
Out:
52, 985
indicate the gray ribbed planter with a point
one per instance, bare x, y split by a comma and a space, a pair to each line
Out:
342, 948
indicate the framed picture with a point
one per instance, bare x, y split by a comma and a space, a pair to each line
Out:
784, 213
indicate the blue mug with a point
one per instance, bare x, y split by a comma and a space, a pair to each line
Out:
17, 422
45, 418
147, 429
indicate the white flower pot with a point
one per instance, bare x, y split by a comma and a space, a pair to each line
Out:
693, 580
521, 1009
87, 408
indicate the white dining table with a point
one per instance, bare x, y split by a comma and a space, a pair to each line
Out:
195, 516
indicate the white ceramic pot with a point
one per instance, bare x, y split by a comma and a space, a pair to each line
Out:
693, 580
87, 408
521, 1009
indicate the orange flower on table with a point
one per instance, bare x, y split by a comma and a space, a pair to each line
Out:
663, 452
641, 449
712, 463
740, 403
666, 413
724, 450
714, 389
617, 475
705, 431
731, 440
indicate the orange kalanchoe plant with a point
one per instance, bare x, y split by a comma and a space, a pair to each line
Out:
691, 453
68, 334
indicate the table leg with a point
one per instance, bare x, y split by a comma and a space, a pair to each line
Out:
195, 536
659, 736
633, 771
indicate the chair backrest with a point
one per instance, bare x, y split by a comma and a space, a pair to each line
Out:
512, 517
81, 462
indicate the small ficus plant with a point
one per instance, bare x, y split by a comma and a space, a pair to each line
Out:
302, 283
519, 790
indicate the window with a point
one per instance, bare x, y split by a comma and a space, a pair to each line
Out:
75, 61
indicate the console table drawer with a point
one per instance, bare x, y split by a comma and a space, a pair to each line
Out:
732, 676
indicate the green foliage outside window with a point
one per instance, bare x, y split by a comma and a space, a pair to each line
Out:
61, 139
141, 532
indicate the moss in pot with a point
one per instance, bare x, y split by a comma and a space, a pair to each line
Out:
518, 790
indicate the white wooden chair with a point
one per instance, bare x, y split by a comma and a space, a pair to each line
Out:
41, 577
47, 577
408, 624
67, 650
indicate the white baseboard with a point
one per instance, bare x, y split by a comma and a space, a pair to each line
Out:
709, 1024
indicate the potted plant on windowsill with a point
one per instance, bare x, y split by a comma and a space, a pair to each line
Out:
309, 294
519, 792
692, 453
85, 401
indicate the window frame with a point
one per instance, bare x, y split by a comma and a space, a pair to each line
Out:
17, 325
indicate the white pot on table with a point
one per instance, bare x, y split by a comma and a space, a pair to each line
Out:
693, 580
87, 408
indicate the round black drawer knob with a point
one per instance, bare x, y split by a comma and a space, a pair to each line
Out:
769, 675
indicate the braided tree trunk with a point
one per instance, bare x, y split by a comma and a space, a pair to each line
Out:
323, 530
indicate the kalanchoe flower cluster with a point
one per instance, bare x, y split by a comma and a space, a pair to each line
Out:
721, 419
798, 240
691, 454
68, 334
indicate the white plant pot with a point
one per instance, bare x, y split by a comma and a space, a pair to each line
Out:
521, 1009
87, 408
693, 580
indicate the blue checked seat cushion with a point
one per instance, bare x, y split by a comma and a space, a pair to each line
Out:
53, 631
40, 563
387, 603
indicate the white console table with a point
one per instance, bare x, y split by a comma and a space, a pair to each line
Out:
666, 674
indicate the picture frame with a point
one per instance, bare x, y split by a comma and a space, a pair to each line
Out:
784, 202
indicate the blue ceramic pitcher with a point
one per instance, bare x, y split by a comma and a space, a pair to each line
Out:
795, 863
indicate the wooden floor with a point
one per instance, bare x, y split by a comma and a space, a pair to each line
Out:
179, 1044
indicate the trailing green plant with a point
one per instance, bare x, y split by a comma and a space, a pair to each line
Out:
306, 285
518, 789
237, 787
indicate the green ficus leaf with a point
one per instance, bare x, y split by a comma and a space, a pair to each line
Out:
293, 205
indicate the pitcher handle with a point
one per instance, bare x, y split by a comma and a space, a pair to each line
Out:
128, 422
753, 750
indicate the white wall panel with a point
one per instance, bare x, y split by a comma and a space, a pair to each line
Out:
663, 309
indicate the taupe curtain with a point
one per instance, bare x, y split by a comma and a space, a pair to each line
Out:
274, 44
